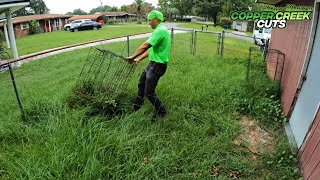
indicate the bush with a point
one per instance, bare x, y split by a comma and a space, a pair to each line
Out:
225, 21
111, 22
34, 28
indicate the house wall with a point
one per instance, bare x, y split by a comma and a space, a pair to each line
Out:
293, 42
310, 153
42, 24
20, 32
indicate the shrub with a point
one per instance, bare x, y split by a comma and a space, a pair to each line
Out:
111, 22
34, 27
225, 21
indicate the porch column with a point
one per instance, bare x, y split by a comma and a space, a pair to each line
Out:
60, 24
12, 38
49, 26
6, 34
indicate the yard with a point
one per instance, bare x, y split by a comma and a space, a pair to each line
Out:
212, 108
40, 42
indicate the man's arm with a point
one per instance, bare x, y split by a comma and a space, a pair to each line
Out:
143, 56
141, 50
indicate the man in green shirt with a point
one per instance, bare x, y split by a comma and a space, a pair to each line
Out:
157, 47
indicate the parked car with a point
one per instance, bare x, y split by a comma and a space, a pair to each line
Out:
88, 25
260, 36
74, 23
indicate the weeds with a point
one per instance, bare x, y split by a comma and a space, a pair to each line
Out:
80, 136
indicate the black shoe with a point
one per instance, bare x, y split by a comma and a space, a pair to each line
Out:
137, 103
136, 107
157, 116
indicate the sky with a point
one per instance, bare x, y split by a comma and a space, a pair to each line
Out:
64, 6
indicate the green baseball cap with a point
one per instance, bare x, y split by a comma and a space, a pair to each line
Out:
155, 14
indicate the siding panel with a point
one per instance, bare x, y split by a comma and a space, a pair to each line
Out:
293, 42
310, 152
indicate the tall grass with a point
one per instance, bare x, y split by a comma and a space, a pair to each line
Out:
203, 95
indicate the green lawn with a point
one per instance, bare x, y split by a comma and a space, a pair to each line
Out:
206, 97
39, 42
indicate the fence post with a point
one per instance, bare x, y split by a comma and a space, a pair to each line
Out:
222, 42
194, 42
219, 44
172, 31
248, 64
265, 49
128, 45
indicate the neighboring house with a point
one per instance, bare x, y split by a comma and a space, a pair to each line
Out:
6, 8
105, 17
239, 25
94, 17
45, 22
300, 83
119, 17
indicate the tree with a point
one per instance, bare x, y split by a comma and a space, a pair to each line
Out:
164, 5
38, 7
183, 6
209, 8
79, 12
237, 5
124, 8
35, 7
99, 9
137, 4
173, 11
144, 10
112, 9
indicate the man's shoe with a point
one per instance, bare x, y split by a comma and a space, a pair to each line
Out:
157, 116
137, 103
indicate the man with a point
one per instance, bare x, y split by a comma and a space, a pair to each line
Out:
157, 47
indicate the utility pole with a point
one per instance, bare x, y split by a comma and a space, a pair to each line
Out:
101, 2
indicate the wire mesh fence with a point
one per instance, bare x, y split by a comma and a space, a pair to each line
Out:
270, 62
182, 40
203, 38
255, 63
275, 63
104, 74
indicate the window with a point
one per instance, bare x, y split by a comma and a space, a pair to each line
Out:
24, 25
56, 24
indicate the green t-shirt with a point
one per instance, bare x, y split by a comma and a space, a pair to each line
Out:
160, 41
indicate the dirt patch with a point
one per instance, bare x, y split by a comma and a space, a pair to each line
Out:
253, 137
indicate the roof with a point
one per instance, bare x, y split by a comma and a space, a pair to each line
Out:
116, 13
21, 19
272, 2
12, 5
89, 16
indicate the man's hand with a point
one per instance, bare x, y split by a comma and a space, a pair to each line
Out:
130, 59
137, 61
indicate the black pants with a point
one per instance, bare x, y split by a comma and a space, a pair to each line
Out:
147, 85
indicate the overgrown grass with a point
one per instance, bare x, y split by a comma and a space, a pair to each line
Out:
206, 97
